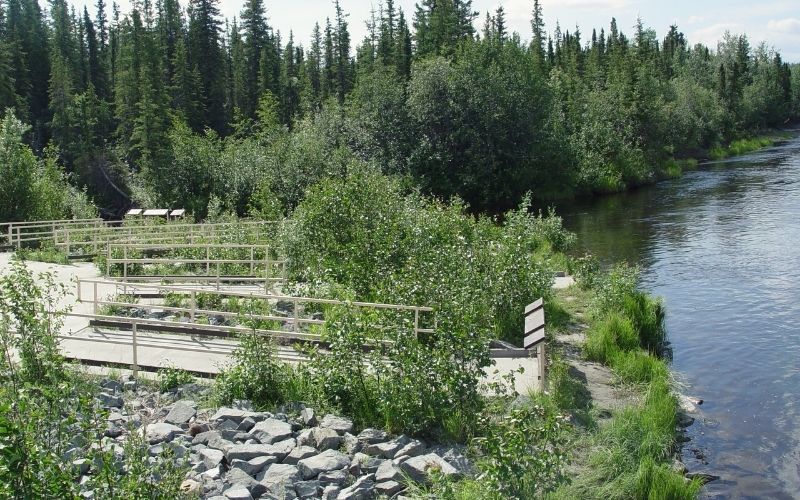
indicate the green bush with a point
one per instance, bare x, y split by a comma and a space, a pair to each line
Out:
171, 377
259, 376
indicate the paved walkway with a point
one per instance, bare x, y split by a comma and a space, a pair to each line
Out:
194, 353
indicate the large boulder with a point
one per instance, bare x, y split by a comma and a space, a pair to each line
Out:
211, 457
325, 439
328, 460
251, 451
180, 413
161, 432
339, 424
419, 468
271, 430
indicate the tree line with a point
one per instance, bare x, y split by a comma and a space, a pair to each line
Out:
171, 105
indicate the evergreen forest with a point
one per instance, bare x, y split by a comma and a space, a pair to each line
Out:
170, 105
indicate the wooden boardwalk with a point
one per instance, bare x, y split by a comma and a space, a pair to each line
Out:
196, 353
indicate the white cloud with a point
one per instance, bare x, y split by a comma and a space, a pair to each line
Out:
710, 35
789, 25
696, 19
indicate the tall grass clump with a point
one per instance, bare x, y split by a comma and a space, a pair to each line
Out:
613, 333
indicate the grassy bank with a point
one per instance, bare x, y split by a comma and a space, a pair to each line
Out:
630, 454
746, 145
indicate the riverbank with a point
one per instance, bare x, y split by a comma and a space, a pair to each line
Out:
618, 394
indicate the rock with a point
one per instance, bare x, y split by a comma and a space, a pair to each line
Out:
688, 404
388, 449
114, 432
227, 425
160, 432
304, 438
367, 464
190, 486
418, 468
326, 461
271, 430
339, 424
679, 467
214, 473
330, 492
703, 477
81, 466
325, 439
387, 471
455, 456
253, 466
684, 420
238, 477
412, 449
373, 436
211, 457
130, 385
335, 477
307, 489
282, 475
111, 385
250, 451
233, 414
238, 493
180, 413
362, 489
219, 443
350, 444
389, 488
309, 417
204, 437
298, 454
110, 400
115, 416
246, 424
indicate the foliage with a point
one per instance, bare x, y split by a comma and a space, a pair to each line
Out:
49, 415
171, 377
365, 234
257, 375
521, 453
611, 334
32, 189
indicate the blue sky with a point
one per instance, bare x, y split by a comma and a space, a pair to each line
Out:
774, 21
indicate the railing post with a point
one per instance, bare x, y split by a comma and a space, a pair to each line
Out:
19, 238
542, 355
252, 262
208, 261
416, 321
218, 274
135, 364
296, 316
194, 306
108, 259
125, 263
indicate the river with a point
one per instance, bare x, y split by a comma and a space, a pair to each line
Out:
721, 245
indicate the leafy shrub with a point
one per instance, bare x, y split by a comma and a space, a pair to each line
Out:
171, 377
521, 453
257, 375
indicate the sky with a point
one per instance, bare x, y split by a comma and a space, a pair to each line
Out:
775, 21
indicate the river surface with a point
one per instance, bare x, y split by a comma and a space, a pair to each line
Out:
721, 245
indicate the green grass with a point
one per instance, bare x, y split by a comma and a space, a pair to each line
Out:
638, 367
612, 333
44, 254
743, 146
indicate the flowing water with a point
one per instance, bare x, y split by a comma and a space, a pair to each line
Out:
721, 245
